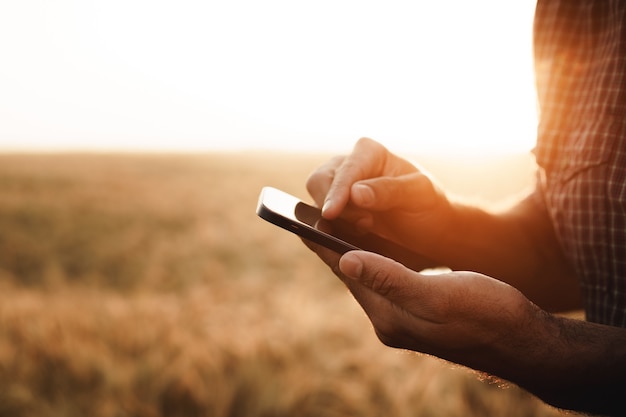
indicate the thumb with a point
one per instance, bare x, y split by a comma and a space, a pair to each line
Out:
384, 276
406, 192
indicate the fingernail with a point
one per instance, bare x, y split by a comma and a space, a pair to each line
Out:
363, 194
351, 265
326, 206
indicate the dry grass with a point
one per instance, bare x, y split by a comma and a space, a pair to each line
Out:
146, 286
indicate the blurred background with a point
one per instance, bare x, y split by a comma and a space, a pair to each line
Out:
135, 136
203, 75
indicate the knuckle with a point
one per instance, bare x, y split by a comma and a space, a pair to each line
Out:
386, 339
335, 161
388, 336
320, 180
327, 169
367, 142
370, 146
382, 282
349, 165
316, 178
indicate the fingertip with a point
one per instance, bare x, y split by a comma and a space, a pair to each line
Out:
331, 209
326, 208
334, 204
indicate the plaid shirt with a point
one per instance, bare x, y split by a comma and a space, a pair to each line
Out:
580, 59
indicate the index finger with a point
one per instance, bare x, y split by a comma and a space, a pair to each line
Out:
365, 161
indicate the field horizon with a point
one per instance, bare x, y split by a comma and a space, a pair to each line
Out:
145, 285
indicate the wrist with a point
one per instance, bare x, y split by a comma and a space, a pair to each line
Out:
568, 363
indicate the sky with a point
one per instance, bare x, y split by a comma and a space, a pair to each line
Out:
139, 75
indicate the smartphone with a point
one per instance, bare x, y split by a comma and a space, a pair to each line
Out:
306, 221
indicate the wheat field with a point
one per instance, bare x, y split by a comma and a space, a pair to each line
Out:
145, 285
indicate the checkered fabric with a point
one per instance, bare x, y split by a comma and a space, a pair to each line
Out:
580, 59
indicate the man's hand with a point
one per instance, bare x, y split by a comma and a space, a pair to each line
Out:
384, 194
464, 317
476, 321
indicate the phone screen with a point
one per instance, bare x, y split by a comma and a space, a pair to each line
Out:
290, 213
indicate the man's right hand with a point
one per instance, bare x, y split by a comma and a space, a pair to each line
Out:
384, 194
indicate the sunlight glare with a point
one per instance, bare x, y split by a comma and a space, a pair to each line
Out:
195, 75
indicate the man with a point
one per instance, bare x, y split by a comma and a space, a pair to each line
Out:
560, 248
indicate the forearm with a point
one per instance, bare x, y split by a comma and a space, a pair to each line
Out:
568, 363
517, 246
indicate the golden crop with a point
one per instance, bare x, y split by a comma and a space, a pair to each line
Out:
145, 285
